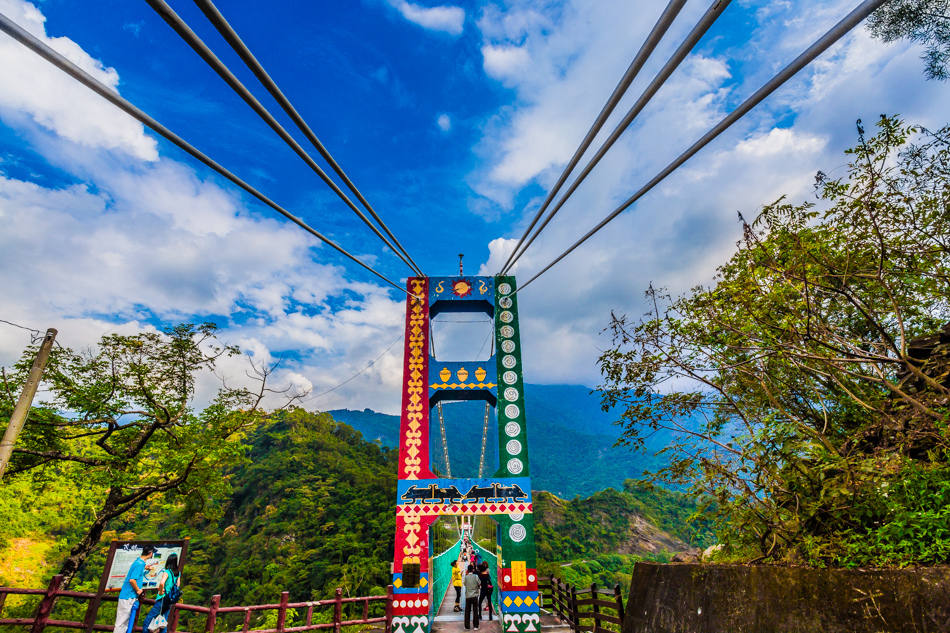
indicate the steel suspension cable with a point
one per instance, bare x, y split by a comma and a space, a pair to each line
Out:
838, 31
185, 33
651, 42
231, 37
715, 10
29, 41
445, 445
481, 461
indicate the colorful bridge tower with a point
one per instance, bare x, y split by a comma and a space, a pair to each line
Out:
422, 497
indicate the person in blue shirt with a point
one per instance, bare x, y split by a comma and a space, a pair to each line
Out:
131, 589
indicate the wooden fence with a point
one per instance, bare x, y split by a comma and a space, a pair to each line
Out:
567, 601
42, 616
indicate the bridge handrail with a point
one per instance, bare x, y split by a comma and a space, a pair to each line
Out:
564, 601
441, 580
41, 617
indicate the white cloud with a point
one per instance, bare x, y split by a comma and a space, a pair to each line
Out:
446, 18
34, 88
505, 62
144, 239
679, 232
444, 122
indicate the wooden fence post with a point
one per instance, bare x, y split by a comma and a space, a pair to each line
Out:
389, 609
3, 598
575, 618
366, 609
213, 613
46, 605
338, 610
173, 618
595, 607
282, 610
618, 596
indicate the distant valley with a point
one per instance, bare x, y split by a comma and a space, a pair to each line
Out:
570, 440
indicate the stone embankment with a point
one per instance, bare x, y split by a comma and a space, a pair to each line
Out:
696, 598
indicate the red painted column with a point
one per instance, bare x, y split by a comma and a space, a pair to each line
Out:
411, 606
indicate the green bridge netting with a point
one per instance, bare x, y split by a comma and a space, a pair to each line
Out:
442, 575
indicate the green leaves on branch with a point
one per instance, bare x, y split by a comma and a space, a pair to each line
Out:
812, 375
118, 418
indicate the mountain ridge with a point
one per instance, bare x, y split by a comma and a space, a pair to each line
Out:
571, 440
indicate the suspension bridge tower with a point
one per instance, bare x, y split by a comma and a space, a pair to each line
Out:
422, 497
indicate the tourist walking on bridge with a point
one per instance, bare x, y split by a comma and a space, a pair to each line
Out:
484, 577
473, 587
457, 583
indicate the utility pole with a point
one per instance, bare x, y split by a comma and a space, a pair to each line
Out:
22, 410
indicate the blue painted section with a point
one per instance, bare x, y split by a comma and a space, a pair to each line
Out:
514, 607
453, 491
461, 294
424, 590
460, 381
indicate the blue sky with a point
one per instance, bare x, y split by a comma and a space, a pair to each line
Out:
453, 119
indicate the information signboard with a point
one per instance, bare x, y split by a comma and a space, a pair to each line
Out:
123, 553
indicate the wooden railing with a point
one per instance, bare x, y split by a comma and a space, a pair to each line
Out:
567, 601
42, 615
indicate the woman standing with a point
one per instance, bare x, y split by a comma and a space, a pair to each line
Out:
167, 578
457, 583
487, 588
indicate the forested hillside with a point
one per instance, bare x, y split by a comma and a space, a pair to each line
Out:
310, 509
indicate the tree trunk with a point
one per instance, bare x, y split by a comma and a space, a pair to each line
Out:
80, 552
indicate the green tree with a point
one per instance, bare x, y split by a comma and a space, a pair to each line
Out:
802, 398
924, 21
119, 419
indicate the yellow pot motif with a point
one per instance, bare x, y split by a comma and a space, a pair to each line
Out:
480, 374
462, 374
445, 374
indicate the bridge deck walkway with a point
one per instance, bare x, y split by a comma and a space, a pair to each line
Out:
447, 620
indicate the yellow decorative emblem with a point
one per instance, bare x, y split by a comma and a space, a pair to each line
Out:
507, 601
462, 374
445, 374
480, 374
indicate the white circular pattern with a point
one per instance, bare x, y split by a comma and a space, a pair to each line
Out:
513, 447
507, 331
505, 302
516, 516
512, 429
504, 289
418, 603
509, 361
510, 377
507, 317
531, 578
517, 532
507, 346
400, 603
425, 603
507, 578
512, 411
515, 466
511, 394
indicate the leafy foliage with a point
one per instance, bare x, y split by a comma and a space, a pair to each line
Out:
812, 365
118, 421
924, 21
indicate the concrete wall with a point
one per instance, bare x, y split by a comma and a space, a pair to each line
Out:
688, 598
